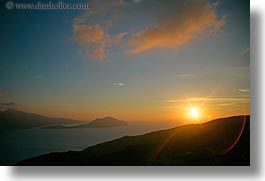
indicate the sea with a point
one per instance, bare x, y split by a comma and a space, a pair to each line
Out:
22, 144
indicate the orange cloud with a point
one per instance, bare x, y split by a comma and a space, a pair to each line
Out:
93, 39
85, 34
190, 20
98, 53
177, 23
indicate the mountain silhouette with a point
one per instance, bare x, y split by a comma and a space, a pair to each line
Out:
224, 141
12, 119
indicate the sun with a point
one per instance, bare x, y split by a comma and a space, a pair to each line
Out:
194, 113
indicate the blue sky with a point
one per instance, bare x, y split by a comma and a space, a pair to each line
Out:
124, 59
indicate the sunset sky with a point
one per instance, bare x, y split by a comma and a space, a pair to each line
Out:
130, 59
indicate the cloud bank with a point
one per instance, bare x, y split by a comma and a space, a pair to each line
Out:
177, 23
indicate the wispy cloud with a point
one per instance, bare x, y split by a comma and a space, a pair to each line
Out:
184, 76
245, 51
177, 23
119, 84
244, 90
7, 103
211, 100
218, 103
228, 104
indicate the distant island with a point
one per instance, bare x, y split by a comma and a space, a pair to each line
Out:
224, 141
97, 123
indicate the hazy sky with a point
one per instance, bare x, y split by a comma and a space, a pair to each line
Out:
131, 59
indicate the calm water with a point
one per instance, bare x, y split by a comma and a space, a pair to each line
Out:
22, 144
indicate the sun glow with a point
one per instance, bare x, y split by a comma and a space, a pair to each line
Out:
194, 113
